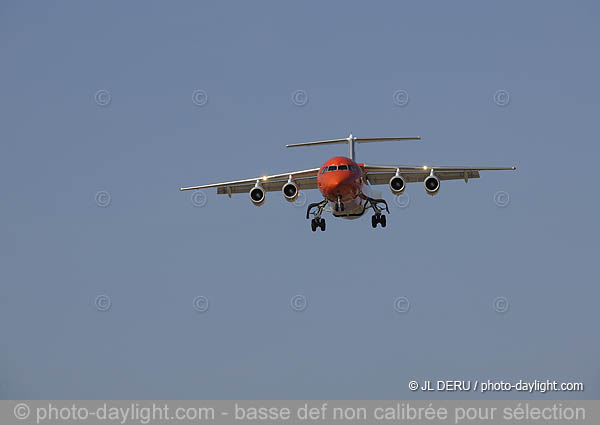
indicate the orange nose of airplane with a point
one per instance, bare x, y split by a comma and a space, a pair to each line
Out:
339, 183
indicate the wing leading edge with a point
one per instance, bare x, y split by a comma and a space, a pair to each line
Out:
381, 174
305, 179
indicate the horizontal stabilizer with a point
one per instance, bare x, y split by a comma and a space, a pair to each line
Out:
351, 140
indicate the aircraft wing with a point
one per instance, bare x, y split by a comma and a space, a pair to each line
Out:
305, 179
381, 174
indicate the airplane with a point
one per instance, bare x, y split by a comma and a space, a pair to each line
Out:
346, 185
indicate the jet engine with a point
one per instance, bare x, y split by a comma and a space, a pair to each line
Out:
290, 191
258, 195
397, 184
432, 184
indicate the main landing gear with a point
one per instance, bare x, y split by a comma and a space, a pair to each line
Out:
316, 209
378, 217
317, 221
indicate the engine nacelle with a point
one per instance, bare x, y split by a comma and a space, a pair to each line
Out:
258, 195
290, 191
397, 185
432, 184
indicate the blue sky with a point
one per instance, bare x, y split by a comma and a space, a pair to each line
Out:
151, 251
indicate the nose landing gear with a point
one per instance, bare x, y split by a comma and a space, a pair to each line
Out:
339, 205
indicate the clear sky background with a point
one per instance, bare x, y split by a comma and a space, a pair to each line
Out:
151, 251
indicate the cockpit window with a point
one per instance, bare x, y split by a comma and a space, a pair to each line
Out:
332, 168
342, 167
323, 170
351, 167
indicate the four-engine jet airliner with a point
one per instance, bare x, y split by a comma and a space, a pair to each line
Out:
346, 185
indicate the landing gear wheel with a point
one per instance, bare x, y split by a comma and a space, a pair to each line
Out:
378, 218
317, 223
341, 206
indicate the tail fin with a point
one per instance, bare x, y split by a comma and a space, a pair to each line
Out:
351, 140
